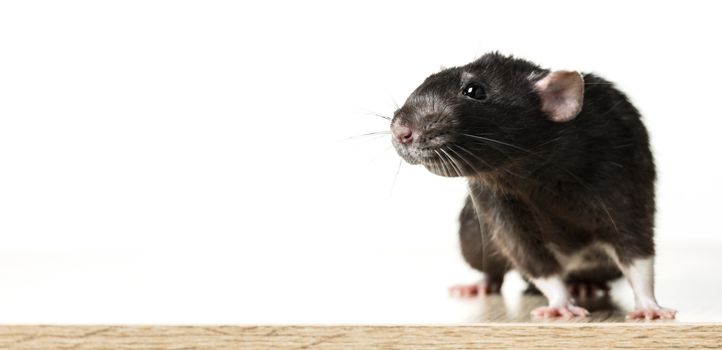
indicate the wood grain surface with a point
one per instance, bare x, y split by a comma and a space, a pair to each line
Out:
486, 336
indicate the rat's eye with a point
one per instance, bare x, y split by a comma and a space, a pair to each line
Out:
474, 91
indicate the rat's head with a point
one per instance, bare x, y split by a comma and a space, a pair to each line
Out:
467, 120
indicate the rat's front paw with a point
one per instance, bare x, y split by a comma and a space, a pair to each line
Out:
652, 313
566, 311
484, 287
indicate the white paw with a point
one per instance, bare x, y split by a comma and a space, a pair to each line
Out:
565, 311
472, 290
652, 313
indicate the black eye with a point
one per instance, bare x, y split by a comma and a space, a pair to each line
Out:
474, 91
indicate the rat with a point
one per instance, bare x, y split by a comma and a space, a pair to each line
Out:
560, 174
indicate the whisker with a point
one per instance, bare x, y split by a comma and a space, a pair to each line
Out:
435, 166
554, 139
454, 164
609, 215
394, 102
443, 162
393, 184
471, 166
451, 166
488, 165
375, 133
379, 155
357, 141
474, 155
475, 204
372, 113
499, 142
381, 116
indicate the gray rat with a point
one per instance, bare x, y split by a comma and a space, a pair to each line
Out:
560, 172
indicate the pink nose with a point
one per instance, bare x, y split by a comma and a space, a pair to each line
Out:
402, 133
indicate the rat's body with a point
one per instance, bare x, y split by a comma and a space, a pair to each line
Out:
588, 271
561, 177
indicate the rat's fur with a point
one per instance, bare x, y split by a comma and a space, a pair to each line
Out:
540, 191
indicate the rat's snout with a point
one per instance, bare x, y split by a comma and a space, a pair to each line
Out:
402, 133
402, 138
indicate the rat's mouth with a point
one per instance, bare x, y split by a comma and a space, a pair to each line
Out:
435, 159
445, 165
413, 154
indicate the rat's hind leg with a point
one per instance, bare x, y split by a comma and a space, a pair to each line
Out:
481, 254
635, 257
640, 274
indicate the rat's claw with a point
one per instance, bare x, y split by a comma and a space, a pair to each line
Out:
473, 290
567, 311
464, 291
652, 314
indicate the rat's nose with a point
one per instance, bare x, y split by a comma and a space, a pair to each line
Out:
402, 133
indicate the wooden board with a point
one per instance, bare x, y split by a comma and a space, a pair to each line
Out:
486, 336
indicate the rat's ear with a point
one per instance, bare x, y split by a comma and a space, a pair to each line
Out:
561, 94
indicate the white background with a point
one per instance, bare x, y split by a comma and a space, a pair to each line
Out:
165, 153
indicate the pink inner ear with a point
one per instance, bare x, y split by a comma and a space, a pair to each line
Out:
562, 94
